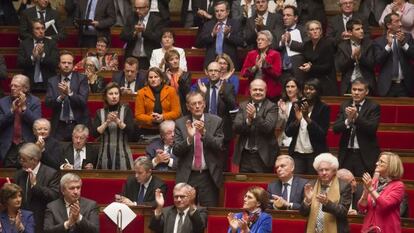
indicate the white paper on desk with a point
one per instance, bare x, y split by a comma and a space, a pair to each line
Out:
294, 35
112, 211
51, 23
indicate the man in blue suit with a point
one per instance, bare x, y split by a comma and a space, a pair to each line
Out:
17, 114
67, 95
287, 191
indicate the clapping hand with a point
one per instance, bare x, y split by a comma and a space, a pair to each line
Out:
201, 86
159, 198
308, 191
367, 180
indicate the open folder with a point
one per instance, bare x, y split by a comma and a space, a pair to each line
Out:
120, 214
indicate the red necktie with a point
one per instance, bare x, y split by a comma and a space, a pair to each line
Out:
197, 150
17, 136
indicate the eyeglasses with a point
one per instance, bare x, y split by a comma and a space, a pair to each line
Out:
179, 196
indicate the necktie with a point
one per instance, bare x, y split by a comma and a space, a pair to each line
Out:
285, 191
252, 137
287, 63
37, 73
353, 130
26, 193
88, 12
213, 100
180, 222
395, 59
319, 218
219, 39
66, 106
198, 149
42, 15
77, 162
138, 44
140, 199
17, 136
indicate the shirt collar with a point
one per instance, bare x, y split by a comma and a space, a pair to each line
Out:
148, 182
361, 103
62, 78
36, 169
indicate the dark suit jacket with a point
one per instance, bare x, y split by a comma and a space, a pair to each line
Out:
317, 129
212, 148
347, 65
378, 8
32, 113
29, 14
296, 190
164, 9
48, 64
45, 191
273, 22
311, 10
366, 132
91, 154
151, 152
230, 43
336, 26
119, 77
184, 88
104, 14
195, 223
132, 187
340, 209
151, 35
27, 220
10, 17
264, 128
78, 101
52, 155
384, 59
56, 216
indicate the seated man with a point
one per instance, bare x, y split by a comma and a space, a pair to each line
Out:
78, 154
184, 215
356, 189
131, 79
71, 212
287, 191
139, 189
159, 151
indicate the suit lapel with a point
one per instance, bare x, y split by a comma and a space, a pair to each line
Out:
62, 210
5, 221
150, 189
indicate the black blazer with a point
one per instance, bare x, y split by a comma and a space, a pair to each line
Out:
56, 216
91, 154
48, 64
119, 77
346, 64
366, 131
311, 10
45, 191
25, 29
195, 223
131, 189
296, 191
336, 26
273, 22
52, 155
317, 129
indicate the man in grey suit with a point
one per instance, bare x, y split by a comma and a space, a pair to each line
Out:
198, 147
287, 191
257, 147
372, 10
184, 215
71, 213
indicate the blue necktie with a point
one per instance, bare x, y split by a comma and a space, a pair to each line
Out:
213, 102
285, 192
395, 59
140, 199
219, 39
287, 63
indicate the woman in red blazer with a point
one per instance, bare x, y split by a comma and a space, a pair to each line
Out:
383, 195
266, 64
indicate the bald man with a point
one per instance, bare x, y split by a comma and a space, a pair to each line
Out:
255, 122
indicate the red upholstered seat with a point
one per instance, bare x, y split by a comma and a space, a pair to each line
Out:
9, 39
107, 226
169, 200
137, 155
410, 194
355, 228
408, 171
234, 192
184, 41
101, 190
216, 224
195, 63
288, 226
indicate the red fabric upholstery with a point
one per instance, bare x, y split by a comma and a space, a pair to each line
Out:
288, 226
9, 39
234, 192
169, 200
101, 190
10, 60
107, 226
408, 171
195, 63
216, 224
355, 228
137, 155
410, 194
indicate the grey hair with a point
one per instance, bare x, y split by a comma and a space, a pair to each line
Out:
166, 125
31, 150
41, 120
328, 158
143, 161
24, 80
268, 35
182, 185
69, 177
286, 157
81, 128
95, 62
344, 174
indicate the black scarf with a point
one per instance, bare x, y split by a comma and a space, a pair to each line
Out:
156, 91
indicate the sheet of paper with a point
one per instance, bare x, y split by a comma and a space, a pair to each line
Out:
116, 210
294, 35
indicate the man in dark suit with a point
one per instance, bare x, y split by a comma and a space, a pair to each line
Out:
67, 96
287, 191
372, 10
355, 57
39, 182
356, 189
100, 15
139, 189
47, 15
79, 154
161, 8
257, 147
221, 35
289, 41
337, 24
159, 151
393, 52
357, 122
17, 114
262, 20
198, 147
131, 79
38, 57
221, 101
71, 213
311, 10
184, 215
142, 33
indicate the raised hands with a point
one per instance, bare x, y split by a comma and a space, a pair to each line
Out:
308, 192
159, 198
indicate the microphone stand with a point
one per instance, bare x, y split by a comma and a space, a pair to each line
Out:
119, 221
